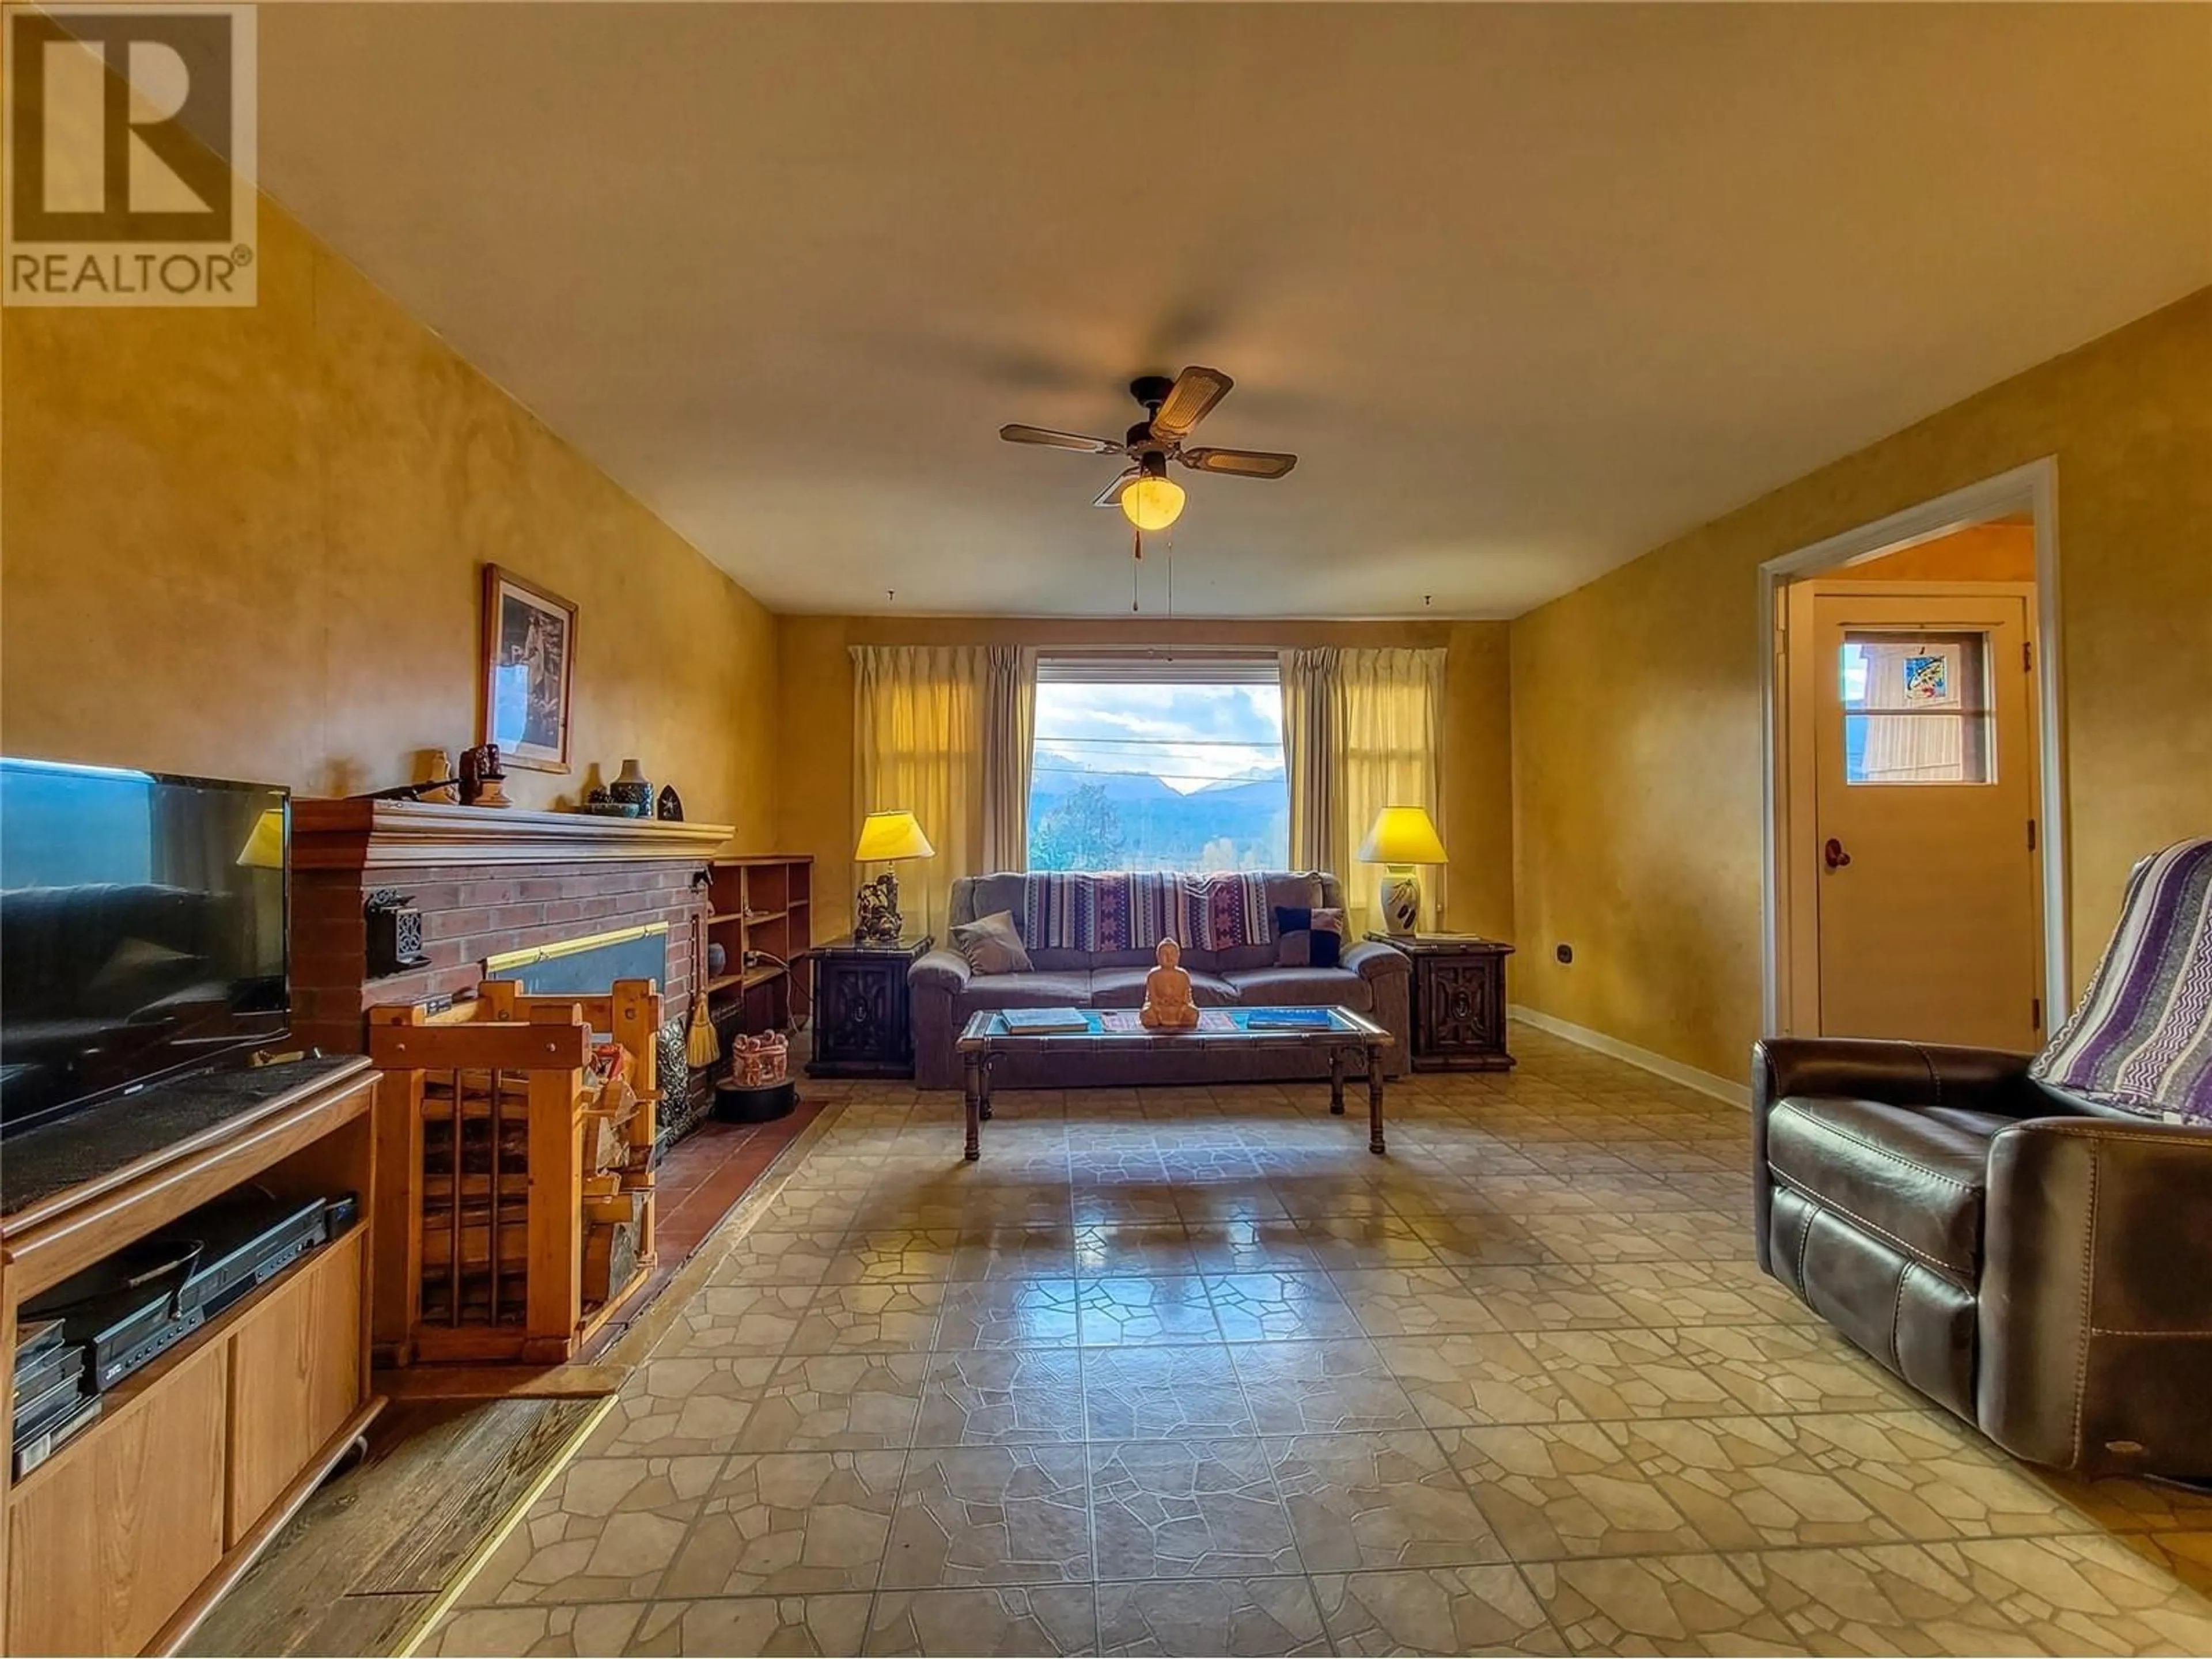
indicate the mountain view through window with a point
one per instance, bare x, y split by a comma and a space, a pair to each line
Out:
1175, 776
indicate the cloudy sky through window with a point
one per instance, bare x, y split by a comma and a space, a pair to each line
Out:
1186, 736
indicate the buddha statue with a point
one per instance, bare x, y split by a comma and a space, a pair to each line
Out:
1167, 1003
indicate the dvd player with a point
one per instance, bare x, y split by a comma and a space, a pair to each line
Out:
121, 1330
129, 1310
245, 1242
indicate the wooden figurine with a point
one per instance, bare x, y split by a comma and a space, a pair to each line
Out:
1167, 1005
482, 778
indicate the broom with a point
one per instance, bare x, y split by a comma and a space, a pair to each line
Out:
702, 1048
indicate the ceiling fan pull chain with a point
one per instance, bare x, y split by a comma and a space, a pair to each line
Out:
1134, 569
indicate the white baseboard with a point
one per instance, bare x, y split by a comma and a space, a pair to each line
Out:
1736, 1094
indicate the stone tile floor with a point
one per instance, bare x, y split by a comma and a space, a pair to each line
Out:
1190, 1372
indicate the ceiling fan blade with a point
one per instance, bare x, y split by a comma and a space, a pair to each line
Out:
1239, 463
1111, 495
1016, 433
1195, 393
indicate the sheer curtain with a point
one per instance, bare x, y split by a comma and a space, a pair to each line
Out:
1311, 757
943, 731
1363, 729
1009, 733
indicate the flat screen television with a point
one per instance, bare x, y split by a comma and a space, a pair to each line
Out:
142, 930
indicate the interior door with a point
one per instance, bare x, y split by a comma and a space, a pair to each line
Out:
1924, 847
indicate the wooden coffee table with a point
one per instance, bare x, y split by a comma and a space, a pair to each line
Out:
1347, 1036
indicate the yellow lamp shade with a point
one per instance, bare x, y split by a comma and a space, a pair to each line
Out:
889, 835
1151, 503
264, 846
1402, 834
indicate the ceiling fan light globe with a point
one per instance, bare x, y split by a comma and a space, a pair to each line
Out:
1151, 503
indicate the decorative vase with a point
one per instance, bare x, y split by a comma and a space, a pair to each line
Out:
1399, 896
717, 959
633, 790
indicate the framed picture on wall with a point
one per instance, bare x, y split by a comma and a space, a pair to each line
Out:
530, 670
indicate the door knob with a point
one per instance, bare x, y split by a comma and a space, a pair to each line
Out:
1833, 855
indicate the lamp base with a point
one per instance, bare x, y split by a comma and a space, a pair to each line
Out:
876, 918
1399, 899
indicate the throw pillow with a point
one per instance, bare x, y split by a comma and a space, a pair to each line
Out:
1308, 938
992, 944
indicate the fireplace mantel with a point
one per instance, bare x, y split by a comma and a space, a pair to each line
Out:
486, 880
401, 835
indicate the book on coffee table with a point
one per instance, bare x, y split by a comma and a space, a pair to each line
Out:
1289, 1020
1028, 1021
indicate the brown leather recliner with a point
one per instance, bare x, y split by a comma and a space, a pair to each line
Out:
2037, 1262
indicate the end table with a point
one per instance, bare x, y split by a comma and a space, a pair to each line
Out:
1459, 1001
862, 1024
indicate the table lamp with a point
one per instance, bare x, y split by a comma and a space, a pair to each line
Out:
886, 837
1402, 837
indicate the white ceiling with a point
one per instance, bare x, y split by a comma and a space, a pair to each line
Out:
1529, 289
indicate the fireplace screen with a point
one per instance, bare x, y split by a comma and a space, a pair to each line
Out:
585, 967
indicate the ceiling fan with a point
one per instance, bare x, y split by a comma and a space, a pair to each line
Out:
1173, 407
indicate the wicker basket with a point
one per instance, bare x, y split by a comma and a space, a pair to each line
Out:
757, 1061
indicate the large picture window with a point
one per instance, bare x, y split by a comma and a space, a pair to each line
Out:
1140, 764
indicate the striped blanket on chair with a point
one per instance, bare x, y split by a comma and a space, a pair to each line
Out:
1135, 909
2141, 1039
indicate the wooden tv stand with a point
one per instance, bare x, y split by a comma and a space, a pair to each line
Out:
123, 1540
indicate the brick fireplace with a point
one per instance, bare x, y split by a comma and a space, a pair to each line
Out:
487, 881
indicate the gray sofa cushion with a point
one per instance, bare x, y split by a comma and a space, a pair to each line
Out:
992, 944
1124, 988
1038, 990
1301, 987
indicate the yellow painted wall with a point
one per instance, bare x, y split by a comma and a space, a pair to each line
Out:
1635, 699
247, 543
817, 813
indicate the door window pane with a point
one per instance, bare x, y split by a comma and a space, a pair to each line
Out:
1917, 707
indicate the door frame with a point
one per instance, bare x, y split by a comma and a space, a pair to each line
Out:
2032, 489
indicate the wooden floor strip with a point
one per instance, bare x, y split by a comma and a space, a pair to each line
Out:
372, 1560
493, 1538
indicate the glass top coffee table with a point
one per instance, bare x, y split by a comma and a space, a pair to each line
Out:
1344, 1037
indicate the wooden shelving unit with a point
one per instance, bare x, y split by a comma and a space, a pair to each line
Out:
123, 1540
760, 915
